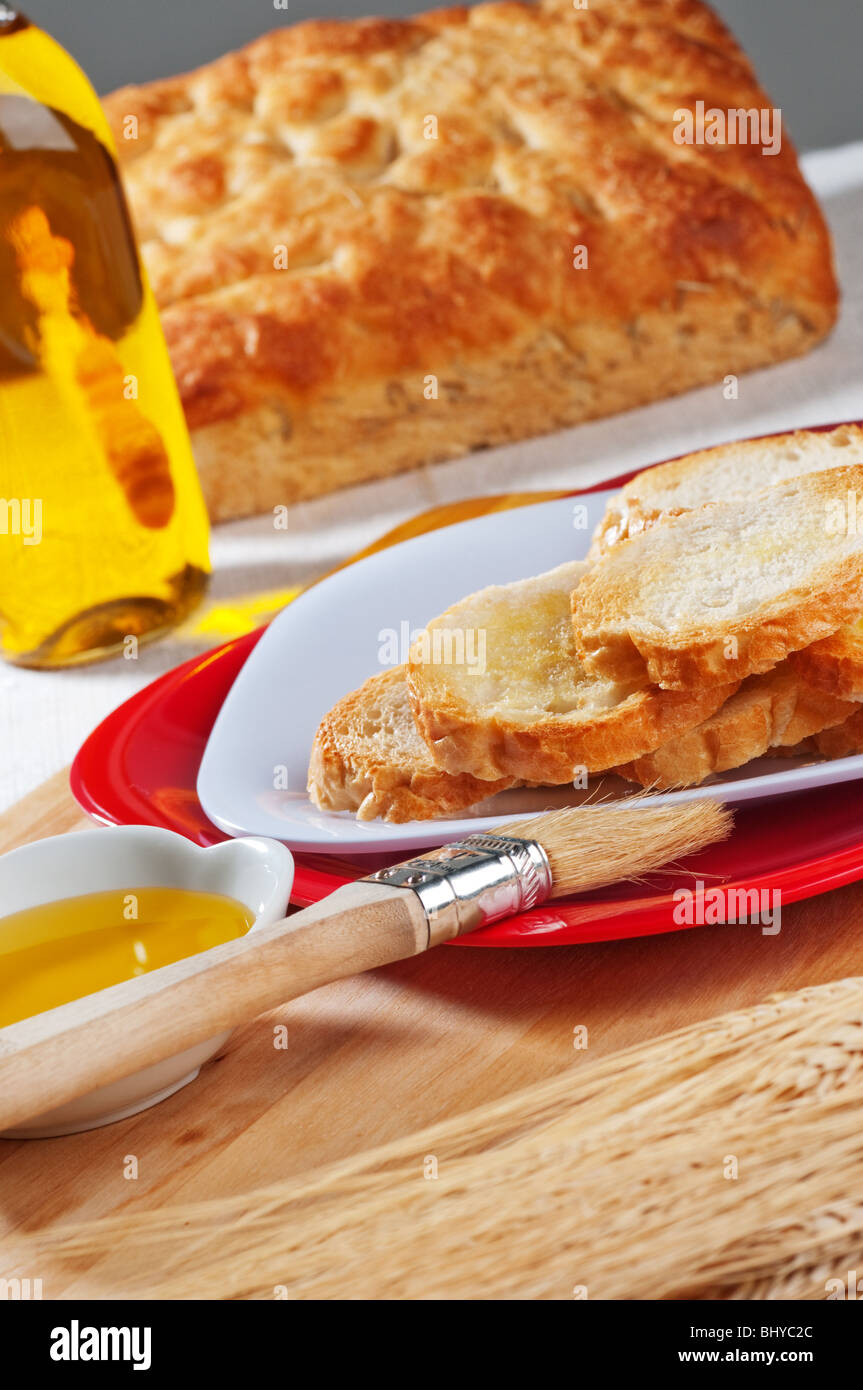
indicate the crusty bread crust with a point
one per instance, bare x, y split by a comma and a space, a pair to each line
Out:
620, 610
835, 663
719, 474
534, 714
367, 757
841, 741
773, 710
431, 304
551, 751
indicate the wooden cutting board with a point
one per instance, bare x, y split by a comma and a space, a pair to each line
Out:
376, 1057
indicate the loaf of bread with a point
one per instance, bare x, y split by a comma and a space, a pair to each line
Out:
380, 243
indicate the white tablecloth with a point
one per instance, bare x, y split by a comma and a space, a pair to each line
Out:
44, 716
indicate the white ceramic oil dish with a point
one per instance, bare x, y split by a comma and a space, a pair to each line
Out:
252, 779
255, 872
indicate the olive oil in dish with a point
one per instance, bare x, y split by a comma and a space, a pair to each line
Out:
61, 951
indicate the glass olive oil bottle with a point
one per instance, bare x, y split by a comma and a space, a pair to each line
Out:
103, 529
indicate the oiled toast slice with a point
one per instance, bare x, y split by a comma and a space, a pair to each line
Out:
730, 471
533, 712
774, 710
729, 589
721, 474
368, 758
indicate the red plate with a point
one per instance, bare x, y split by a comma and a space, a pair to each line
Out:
140, 767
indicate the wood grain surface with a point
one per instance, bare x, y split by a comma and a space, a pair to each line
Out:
375, 1057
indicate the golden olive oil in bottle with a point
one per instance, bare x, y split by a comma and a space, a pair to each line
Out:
103, 529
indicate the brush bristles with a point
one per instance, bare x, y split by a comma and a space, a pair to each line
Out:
592, 846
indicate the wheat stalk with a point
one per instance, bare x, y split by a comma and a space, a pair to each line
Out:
611, 1179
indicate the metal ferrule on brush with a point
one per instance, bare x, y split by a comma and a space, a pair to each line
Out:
476, 881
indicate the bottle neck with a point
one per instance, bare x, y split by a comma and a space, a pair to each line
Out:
11, 20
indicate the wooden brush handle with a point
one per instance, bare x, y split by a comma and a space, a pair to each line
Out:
69, 1051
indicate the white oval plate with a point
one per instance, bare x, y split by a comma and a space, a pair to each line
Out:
252, 778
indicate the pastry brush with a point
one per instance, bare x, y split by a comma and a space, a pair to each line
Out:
392, 914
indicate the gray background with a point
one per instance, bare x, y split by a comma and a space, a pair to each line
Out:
807, 52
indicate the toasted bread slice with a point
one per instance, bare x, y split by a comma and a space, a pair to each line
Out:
835, 663
532, 711
728, 589
841, 741
719, 475
367, 757
774, 710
